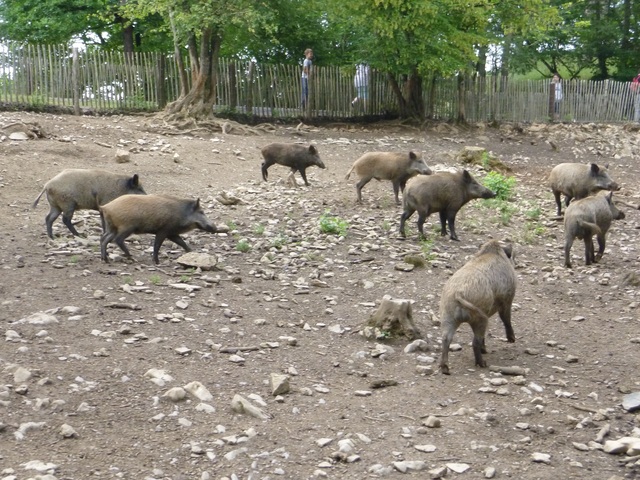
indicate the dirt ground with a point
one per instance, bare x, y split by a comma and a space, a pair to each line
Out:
79, 398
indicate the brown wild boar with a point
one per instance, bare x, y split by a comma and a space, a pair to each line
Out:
576, 181
395, 166
486, 284
163, 215
588, 217
443, 192
297, 157
80, 189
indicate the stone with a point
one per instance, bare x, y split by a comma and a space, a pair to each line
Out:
67, 431
239, 404
425, 448
408, 465
631, 402
538, 457
38, 318
176, 394
199, 391
122, 156
279, 384
432, 422
203, 261
458, 467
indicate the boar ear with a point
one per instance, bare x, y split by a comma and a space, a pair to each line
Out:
134, 180
466, 176
609, 197
313, 150
196, 205
594, 169
508, 250
412, 156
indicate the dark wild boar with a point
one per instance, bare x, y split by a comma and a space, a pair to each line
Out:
442, 192
297, 157
163, 215
80, 189
576, 181
486, 284
588, 217
395, 166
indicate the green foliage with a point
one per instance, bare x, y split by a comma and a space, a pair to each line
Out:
502, 185
333, 225
243, 246
279, 241
426, 245
259, 229
232, 226
155, 279
127, 279
533, 214
386, 225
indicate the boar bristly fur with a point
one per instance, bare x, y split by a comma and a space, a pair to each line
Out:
443, 192
588, 217
486, 284
576, 181
162, 215
297, 157
84, 189
398, 167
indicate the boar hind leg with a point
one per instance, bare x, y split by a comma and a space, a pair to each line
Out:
505, 316
601, 245
408, 211
567, 251
479, 329
50, 218
589, 250
363, 181
449, 331
422, 217
396, 191
265, 166
557, 194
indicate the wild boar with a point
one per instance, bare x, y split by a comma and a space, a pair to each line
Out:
443, 192
80, 189
575, 180
163, 215
297, 157
588, 217
395, 166
486, 284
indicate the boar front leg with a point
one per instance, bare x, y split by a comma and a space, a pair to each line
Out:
178, 240
601, 245
479, 328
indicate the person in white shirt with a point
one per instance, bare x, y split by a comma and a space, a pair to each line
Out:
361, 82
306, 71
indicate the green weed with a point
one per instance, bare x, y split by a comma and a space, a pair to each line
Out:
503, 186
155, 279
333, 225
243, 246
259, 229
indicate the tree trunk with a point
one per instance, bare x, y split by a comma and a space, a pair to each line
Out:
412, 106
199, 101
481, 69
127, 39
182, 71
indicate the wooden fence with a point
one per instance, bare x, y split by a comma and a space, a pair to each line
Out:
55, 76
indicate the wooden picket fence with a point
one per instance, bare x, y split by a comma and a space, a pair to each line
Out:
48, 76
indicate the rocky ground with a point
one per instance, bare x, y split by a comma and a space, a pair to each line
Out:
131, 370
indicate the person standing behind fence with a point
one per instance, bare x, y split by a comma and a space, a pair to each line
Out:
361, 82
555, 81
635, 89
306, 71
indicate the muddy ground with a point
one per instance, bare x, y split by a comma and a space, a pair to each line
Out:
77, 400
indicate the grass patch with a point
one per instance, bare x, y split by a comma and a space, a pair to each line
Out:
243, 246
333, 225
502, 185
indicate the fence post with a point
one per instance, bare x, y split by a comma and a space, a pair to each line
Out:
552, 101
161, 90
249, 88
74, 82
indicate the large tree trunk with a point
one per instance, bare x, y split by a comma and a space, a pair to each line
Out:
412, 106
199, 101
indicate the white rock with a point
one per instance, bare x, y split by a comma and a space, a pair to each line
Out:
158, 376
67, 431
323, 442
489, 472
21, 375
122, 156
541, 457
175, 394
410, 465
39, 466
38, 318
432, 422
458, 467
25, 427
233, 454
206, 408
279, 384
199, 391
239, 404
425, 448
417, 346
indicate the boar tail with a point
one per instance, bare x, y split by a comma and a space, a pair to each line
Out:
35, 202
464, 303
591, 228
349, 172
